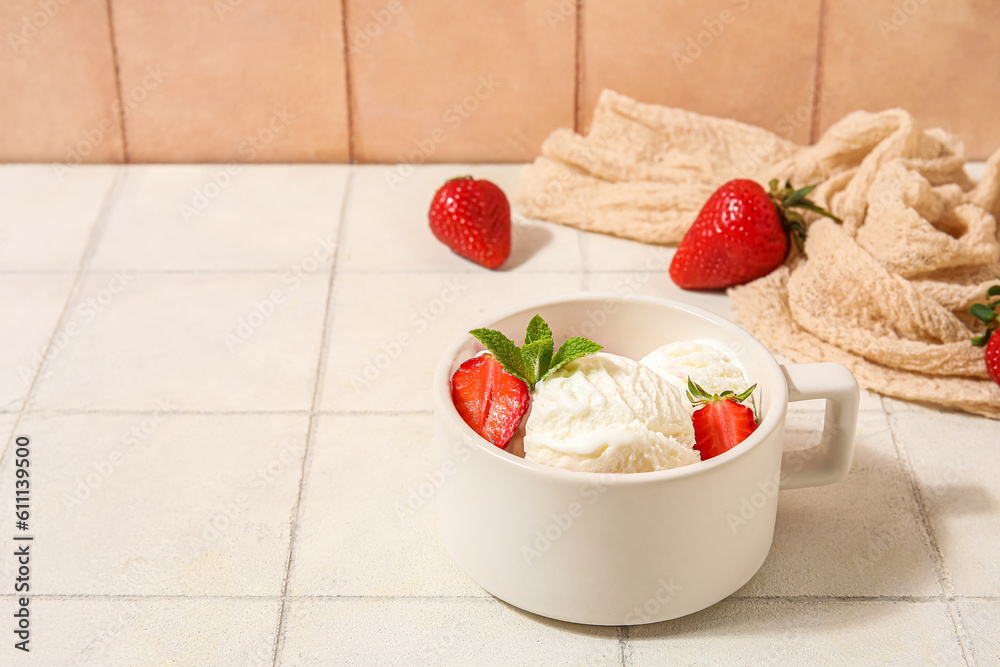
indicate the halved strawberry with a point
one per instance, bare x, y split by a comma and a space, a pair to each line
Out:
489, 399
722, 422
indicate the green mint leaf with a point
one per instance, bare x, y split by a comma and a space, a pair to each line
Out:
537, 356
505, 351
535, 361
993, 291
981, 312
572, 349
537, 330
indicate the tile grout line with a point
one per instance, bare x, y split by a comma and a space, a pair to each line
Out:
202, 272
35, 272
103, 213
819, 599
826, 599
945, 582
265, 598
462, 272
348, 95
961, 634
625, 645
241, 272
581, 245
321, 363
304, 412
968, 647
216, 413
345, 271
578, 70
118, 81
818, 74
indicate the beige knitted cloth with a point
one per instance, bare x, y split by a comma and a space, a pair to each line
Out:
886, 294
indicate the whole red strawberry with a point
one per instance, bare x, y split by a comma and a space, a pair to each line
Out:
472, 218
990, 338
722, 421
741, 234
489, 399
993, 359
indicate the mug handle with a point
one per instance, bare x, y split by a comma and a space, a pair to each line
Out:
830, 460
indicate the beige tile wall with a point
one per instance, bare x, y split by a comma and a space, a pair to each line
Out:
480, 81
58, 97
721, 57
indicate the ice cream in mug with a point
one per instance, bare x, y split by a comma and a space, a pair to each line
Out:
607, 413
580, 408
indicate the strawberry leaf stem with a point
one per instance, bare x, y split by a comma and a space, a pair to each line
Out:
987, 315
698, 396
983, 313
798, 195
785, 199
809, 206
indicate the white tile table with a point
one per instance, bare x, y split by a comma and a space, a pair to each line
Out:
224, 372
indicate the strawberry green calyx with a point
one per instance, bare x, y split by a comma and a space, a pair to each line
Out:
698, 396
537, 358
987, 315
787, 198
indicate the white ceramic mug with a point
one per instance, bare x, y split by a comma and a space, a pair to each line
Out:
624, 549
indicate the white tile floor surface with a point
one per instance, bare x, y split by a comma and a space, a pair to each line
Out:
217, 481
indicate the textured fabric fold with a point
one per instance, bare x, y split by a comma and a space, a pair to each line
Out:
886, 292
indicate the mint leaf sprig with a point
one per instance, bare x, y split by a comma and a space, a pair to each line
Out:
535, 360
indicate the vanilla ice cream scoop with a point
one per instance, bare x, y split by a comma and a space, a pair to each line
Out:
712, 366
606, 413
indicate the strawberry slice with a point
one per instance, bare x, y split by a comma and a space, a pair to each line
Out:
722, 422
489, 399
